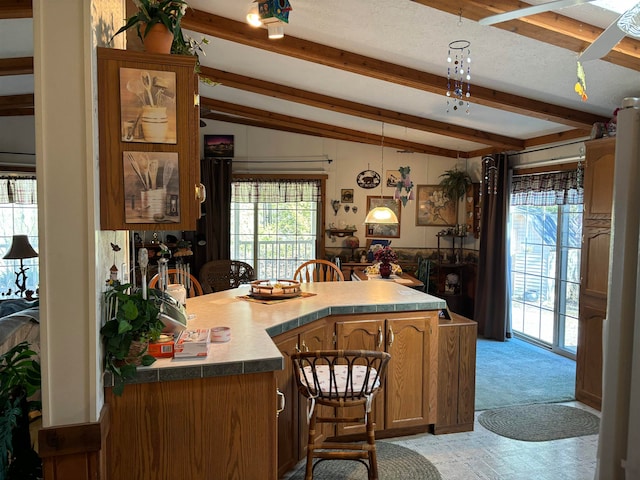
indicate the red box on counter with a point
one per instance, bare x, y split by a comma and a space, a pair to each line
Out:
162, 348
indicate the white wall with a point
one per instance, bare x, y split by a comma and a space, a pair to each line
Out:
348, 159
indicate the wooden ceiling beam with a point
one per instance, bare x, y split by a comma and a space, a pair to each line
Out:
16, 9
16, 66
298, 125
346, 107
548, 27
290, 46
8, 102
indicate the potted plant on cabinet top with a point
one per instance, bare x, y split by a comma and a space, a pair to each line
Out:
19, 381
454, 183
133, 319
161, 18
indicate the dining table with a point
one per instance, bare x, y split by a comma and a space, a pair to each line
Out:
402, 278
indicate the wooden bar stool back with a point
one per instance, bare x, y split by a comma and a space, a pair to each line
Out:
318, 271
340, 378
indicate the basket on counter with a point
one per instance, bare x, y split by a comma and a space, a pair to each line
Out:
277, 289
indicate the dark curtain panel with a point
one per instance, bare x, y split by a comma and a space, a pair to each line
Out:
491, 306
212, 236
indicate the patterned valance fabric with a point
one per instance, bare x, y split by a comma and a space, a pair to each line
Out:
18, 190
545, 189
275, 191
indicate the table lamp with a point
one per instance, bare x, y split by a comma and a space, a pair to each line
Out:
20, 249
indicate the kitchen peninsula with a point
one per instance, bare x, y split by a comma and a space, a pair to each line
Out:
217, 417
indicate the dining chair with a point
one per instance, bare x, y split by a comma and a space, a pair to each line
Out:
338, 379
423, 272
318, 271
191, 283
218, 275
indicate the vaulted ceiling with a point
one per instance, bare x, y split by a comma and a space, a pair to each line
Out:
354, 70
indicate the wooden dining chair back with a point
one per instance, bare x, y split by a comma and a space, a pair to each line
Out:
219, 275
318, 271
423, 273
340, 378
191, 283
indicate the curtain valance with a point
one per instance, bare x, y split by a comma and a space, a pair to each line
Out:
275, 191
18, 190
545, 189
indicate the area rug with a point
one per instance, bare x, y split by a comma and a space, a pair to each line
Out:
517, 373
394, 463
540, 423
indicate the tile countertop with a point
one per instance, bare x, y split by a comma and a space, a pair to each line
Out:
252, 325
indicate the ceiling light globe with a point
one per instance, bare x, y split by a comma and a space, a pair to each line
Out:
276, 30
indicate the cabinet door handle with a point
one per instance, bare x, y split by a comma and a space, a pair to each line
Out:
379, 337
201, 193
391, 337
282, 402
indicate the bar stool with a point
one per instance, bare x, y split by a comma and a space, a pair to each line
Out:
340, 378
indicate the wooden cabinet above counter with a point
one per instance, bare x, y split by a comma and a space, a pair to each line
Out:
148, 110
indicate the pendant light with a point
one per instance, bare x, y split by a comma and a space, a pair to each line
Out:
381, 214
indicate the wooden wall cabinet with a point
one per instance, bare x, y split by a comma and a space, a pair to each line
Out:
148, 110
594, 269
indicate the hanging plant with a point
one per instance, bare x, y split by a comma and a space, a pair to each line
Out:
454, 183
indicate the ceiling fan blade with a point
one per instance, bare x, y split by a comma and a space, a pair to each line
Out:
603, 44
532, 10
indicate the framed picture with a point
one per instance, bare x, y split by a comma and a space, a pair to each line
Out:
148, 105
434, 208
151, 187
346, 195
218, 146
381, 230
392, 177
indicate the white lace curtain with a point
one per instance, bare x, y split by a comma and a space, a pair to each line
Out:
275, 191
18, 190
546, 189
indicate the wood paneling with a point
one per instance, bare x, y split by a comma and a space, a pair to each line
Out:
75, 451
200, 429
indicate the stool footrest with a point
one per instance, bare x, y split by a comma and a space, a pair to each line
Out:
344, 446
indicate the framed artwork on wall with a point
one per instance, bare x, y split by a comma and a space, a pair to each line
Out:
434, 208
381, 230
392, 178
346, 195
218, 146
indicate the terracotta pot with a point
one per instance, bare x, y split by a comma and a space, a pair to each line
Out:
385, 270
136, 351
158, 40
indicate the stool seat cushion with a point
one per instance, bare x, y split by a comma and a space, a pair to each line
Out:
332, 388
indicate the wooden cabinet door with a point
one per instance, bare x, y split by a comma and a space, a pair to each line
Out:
589, 355
411, 386
361, 335
598, 179
313, 338
288, 419
149, 176
594, 268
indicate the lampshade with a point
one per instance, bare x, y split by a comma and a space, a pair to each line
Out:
276, 30
381, 215
20, 248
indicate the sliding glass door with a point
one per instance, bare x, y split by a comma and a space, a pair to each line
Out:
545, 274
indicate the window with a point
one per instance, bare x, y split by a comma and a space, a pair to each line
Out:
18, 216
545, 219
274, 224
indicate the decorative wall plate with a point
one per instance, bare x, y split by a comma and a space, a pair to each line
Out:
368, 179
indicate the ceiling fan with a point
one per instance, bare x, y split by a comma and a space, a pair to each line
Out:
627, 24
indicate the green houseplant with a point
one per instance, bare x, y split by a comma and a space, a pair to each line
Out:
132, 321
169, 13
19, 381
454, 183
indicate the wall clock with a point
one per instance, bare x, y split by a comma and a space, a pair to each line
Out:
368, 179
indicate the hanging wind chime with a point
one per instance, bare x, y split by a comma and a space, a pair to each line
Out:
459, 75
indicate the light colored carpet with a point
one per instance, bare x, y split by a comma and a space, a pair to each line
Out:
394, 463
540, 423
517, 373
